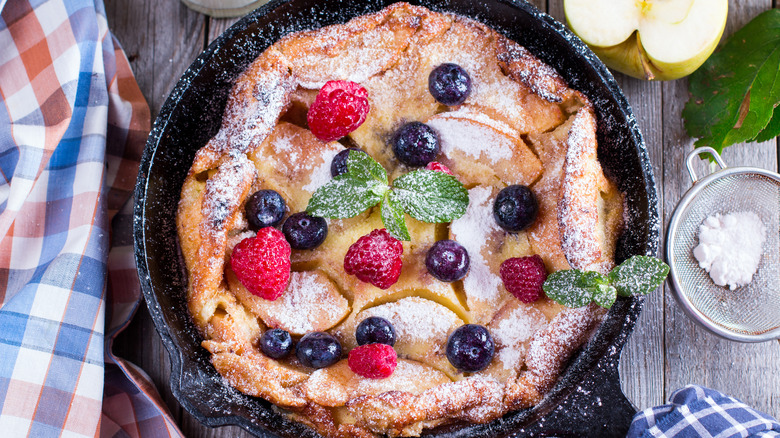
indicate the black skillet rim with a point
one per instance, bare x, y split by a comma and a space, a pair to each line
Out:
581, 384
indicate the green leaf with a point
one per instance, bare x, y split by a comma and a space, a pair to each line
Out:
344, 197
394, 219
568, 288
605, 295
430, 196
574, 288
592, 280
638, 275
361, 166
363, 186
733, 95
427, 195
772, 129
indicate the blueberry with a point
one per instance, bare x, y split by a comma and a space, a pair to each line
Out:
304, 231
318, 350
276, 343
470, 348
375, 330
265, 208
339, 164
416, 144
447, 260
515, 208
449, 84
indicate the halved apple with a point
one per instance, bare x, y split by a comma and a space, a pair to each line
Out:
649, 39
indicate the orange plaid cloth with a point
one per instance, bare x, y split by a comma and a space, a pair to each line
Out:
73, 124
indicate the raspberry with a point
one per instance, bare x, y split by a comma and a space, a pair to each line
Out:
339, 108
438, 167
375, 361
523, 277
262, 263
375, 258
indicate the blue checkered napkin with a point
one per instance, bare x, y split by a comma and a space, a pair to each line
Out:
695, 411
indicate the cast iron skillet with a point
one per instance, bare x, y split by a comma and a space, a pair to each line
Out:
587, 400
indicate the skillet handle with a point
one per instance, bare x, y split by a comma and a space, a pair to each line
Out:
597, 407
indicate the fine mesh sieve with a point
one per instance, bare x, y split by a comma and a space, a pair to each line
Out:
750, 313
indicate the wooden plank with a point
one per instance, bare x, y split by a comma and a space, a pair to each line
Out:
540, 4
555, 8
219, 25
750, 372
140, 344
158, 38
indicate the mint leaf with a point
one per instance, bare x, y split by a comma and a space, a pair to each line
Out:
605, 295
569, 288
344, 197
735, 92
430, 196
638, 275
427, 195
574, 288
592, 280
361, 166
394, 219
363, 186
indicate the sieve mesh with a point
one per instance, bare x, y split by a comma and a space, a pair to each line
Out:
753, 309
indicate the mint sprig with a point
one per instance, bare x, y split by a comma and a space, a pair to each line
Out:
394, 219
430, 196
426, 195
639, 275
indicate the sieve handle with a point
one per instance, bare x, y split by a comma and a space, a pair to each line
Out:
697, 152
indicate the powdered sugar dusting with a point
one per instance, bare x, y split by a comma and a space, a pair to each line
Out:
282, 144
551, 347
476, 394
250, 121
223, 191
525, 67
341, 53
465, 112
580, 142
407, 377
415, 319
474, 139
491, 404
321, 174
578, 220
513, 332
307, 305
473, 230
337, 384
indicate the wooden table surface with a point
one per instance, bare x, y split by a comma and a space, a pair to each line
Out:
666, 350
